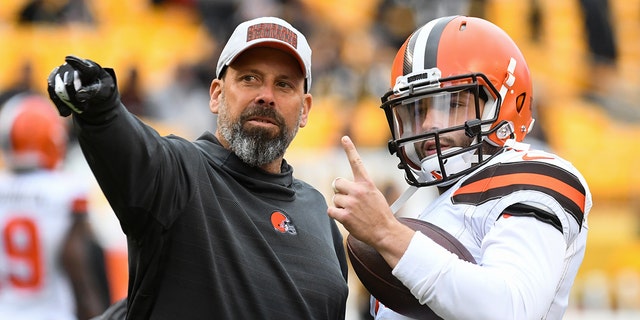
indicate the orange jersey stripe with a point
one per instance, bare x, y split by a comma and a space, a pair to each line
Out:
502, 179
536, 179
80, 206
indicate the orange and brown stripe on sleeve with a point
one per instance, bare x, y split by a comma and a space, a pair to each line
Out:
505, 178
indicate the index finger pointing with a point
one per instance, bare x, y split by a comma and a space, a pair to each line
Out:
357, 166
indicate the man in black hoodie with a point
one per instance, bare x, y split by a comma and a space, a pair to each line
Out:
217, 228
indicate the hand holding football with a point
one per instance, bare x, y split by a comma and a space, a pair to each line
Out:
375, 274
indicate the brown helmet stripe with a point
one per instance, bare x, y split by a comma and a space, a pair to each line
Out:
407, 62
433, 32
431, 51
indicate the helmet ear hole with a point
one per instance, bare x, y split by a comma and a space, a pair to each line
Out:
520, 100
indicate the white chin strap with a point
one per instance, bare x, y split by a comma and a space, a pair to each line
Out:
403, 198
431, 168
430, 171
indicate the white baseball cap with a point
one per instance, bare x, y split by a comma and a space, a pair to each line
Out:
267, 32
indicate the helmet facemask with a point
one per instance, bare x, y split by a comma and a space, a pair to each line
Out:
449, 56
437, 124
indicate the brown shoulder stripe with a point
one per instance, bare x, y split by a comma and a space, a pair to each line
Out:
505, 178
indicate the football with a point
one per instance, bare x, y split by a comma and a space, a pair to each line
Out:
375, 274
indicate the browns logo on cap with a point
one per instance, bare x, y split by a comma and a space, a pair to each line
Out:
274, 31
267, 32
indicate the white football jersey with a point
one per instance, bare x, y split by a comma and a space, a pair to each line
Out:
523, 217
35, 214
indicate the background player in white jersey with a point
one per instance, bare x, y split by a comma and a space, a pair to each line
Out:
45, 238
459, 110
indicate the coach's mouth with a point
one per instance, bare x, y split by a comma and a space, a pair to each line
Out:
262, 121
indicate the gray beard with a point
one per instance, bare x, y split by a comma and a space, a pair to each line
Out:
255, 147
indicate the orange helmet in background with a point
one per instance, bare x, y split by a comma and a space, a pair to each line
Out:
439, 60
32, 133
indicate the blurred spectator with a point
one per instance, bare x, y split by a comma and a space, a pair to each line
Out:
183, 103
297, 12
185, 3
477, 8
23, 83
76, 11
55, 12
605, 86
329, 76
40, 11
219, 17
600, 34
48, 265
396, 20
132, 95
602, 47
249, 9
426, 11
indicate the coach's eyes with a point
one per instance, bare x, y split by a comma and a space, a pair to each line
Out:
249, 78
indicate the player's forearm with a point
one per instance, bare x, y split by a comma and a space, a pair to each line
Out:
512, 281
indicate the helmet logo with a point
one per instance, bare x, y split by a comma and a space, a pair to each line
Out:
282, 223
427, 78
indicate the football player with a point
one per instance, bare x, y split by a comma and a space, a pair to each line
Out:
459, 109
46, 241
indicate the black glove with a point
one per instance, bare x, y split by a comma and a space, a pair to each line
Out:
80, 84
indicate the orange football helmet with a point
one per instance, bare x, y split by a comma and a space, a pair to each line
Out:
33, 135
447, 63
